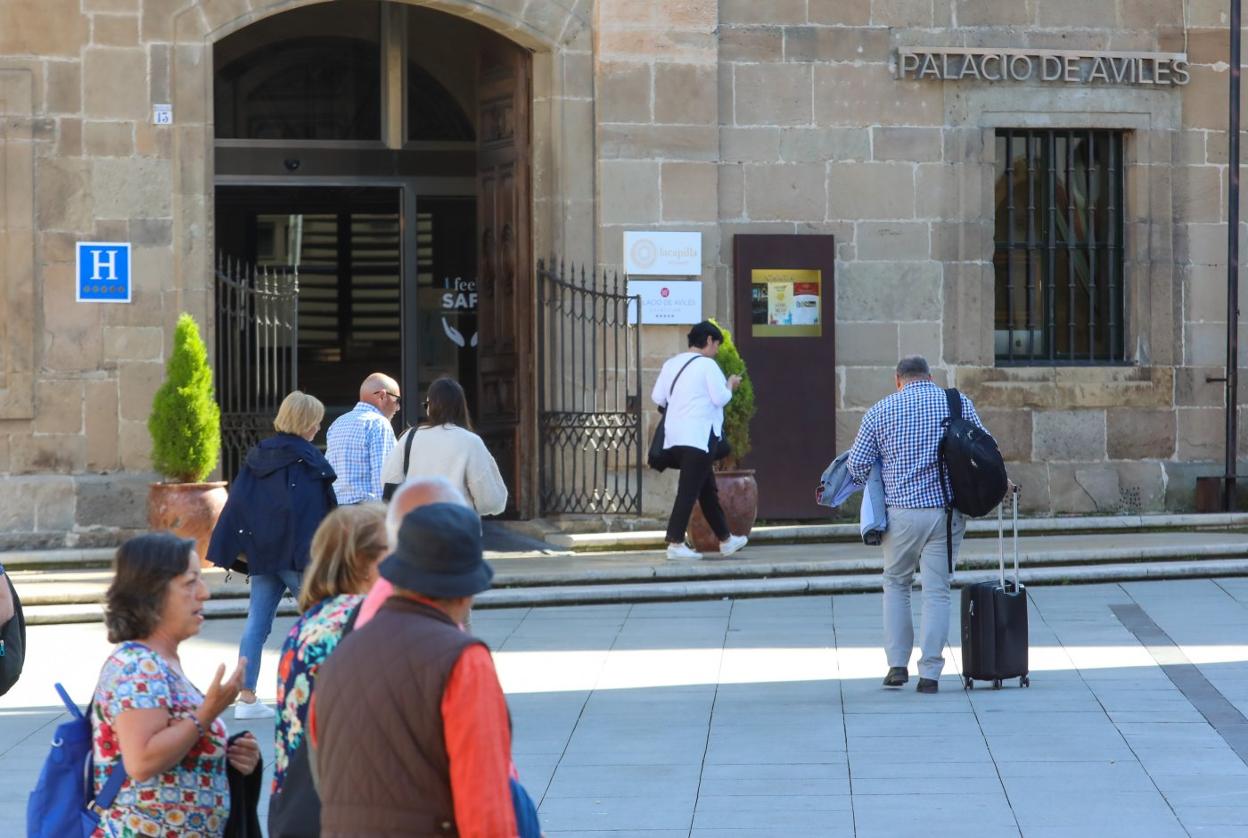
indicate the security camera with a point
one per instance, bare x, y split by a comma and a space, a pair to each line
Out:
292, 164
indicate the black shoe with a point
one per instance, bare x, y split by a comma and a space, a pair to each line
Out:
928, 685
897, 675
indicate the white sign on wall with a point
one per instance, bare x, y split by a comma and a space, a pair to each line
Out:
662, 254
666, 302
162, 114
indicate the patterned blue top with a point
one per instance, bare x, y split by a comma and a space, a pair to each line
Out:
904, 430
357, 445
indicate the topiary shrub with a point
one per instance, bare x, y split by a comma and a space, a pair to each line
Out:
186, 423
739, 411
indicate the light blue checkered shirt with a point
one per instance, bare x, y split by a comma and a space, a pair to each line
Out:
356, 446
904, 430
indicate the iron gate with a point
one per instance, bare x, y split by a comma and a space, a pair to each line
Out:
257, 344
589, 390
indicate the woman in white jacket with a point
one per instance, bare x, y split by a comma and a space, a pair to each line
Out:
445, 446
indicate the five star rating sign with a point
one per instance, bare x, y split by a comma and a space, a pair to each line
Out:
103, 272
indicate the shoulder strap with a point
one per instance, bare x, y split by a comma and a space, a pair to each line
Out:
671, 389
407, 451
955, 403
954, 398
104, 800
349, 625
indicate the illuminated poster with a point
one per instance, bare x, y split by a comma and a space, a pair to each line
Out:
785, 302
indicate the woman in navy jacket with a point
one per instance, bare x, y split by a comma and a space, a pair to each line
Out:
275, 505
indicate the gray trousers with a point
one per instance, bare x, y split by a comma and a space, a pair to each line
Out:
916, 538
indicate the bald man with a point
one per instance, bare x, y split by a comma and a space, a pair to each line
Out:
358, 441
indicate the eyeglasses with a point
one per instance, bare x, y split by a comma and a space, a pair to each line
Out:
394, 396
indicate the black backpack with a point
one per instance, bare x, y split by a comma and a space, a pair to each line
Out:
12, 641
971, 461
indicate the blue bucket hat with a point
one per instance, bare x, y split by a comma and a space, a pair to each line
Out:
439, 553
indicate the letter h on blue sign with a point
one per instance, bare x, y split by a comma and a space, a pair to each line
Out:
103, 272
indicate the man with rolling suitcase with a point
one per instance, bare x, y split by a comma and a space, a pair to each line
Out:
907, 432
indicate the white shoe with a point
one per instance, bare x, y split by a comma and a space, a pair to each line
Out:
733, 544
253, 710
682, 551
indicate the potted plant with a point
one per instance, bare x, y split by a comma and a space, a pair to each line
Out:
185, 426
738, 491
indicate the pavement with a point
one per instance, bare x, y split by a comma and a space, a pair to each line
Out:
765, 717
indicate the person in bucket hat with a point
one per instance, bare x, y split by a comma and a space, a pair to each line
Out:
409, 725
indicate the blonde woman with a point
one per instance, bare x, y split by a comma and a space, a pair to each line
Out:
345, 551
276, 502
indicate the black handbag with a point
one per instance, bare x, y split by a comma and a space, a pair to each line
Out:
295, 810
660, 458
388, 490
12, 641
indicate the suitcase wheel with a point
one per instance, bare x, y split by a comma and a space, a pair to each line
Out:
1024, 681
996, 683
968, 683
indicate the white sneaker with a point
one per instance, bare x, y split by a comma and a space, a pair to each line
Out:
733, 544
682, 551
253, 710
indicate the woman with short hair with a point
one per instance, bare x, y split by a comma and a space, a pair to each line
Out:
445, 446
147, 716
279, 498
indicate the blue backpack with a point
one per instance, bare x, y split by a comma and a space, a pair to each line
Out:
526, 812
61, 805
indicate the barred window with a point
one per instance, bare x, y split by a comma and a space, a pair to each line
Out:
1058, 252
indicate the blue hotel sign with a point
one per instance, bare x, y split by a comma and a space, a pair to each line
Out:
103, 272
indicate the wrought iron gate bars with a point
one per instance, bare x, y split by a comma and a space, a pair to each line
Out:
589, 393
257, 352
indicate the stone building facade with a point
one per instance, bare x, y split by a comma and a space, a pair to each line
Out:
723, 117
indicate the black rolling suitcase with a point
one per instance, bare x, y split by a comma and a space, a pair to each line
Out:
994, 622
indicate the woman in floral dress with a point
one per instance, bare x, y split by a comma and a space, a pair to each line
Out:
345, 551
147, 714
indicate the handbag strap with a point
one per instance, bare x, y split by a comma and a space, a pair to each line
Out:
407, 450
672, 389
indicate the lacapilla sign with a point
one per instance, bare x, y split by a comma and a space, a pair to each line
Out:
1032, 65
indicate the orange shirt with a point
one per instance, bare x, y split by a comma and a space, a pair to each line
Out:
477, 731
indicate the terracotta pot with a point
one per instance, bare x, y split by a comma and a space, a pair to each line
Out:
738, 495
186, 509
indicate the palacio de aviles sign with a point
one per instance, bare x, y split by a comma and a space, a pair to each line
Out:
1037, 65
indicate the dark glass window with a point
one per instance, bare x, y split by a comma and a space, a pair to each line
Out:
1058, 256
432, 112
311, 88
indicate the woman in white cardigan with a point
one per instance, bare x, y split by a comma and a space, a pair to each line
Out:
445, 446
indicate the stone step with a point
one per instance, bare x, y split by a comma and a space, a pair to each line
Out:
677, 590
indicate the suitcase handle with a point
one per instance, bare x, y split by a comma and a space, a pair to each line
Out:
1001, 538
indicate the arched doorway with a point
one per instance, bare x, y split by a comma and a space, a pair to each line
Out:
382, 152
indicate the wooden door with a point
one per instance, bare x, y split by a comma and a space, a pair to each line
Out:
505, 396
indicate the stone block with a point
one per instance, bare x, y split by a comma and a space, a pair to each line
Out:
772, 94
133, 187
69, 138
102, 418
1140, 434
1086, 489
157, 19
866, 344
962, 241
818, 145
1068, 436
1012, 431
952, 192
160, 61
49, 454
859, 94
907, 145
1142, 488
651, 44
624, 91
45, 28
1192, 387
110, 6
136, 446
192, 65
904, 14
658, 142
138, 382
71, 332
58, 406
115, 30
847, 424
1201, 433
893, 240
1150, 14
629, 191
789, 192
752, 44
133, 343
921, 338
1200, 244
823, 43
888, 291
1066, 12
862, 191
992, 12
1204, 344
64, 87
55, 504
108, 139
697, 14
112, 501
864, 386
1198, 193
689, 192
1033, 481
63, 195
773, 12
732, 191
1204, 99
115, 83
840, 12
685, 93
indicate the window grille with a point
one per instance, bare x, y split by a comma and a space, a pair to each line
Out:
1058, 254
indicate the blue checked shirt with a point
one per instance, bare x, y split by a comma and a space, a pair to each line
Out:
904, 431
356, 446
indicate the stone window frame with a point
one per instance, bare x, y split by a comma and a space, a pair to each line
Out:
17, 245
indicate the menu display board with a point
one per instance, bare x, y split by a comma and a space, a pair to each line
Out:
785, 302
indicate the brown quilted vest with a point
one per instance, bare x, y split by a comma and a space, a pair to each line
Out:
382, 754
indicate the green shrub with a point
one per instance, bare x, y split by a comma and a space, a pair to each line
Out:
739, 411
186, 423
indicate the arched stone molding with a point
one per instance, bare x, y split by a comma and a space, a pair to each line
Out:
557, 32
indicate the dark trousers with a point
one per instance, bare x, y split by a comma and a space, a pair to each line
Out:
697, 483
